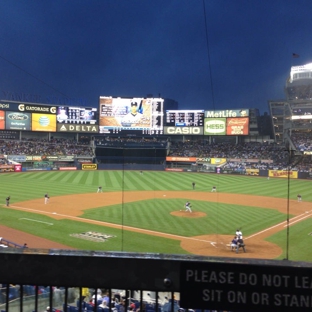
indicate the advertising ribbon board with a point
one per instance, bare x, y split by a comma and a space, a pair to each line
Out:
283, 174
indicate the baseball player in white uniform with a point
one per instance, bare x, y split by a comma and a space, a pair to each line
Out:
188, 206
239, 234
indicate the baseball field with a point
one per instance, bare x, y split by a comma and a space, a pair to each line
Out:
145, 213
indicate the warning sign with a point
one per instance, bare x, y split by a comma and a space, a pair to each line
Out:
224, 286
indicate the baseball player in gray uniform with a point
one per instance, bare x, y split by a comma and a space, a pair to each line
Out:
46, 198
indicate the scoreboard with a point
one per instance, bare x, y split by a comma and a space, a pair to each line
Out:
184, 122
77, 115
184, 118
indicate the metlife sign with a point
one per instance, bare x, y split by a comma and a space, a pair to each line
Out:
241, 287
225, 113
183, 130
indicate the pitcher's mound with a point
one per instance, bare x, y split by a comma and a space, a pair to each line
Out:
186, 214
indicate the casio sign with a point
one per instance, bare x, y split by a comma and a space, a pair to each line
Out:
183, 130
215, 126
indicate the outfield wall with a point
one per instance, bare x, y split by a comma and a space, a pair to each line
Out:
158, 167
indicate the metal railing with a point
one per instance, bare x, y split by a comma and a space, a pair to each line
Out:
70, 280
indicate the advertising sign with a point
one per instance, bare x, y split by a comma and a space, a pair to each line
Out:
237, 126
67, 168
18, 121
254, 172
174, 169
215, 126
43, 122
128, 114
283, 174
183, 159
66, 158
183, 130
6, 168
34, 108
2, 120
89, 166
17, 158
203, 160
42, 164
9, 106
77, 128
218, 161
226, 126
227, 113
49, 158
17, 168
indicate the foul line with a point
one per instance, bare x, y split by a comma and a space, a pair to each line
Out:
284, 223
172, 236
33, 220
118, 226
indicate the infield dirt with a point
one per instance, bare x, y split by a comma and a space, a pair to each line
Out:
72, 206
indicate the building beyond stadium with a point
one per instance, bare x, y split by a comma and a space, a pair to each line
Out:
293, 114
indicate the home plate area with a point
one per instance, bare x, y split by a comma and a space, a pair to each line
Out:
93, 236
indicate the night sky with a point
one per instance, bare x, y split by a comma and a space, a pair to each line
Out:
204, 54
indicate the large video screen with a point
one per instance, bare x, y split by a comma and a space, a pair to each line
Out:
131, 115
77, 115
184, 122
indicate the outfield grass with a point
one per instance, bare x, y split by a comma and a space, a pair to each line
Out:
154, 214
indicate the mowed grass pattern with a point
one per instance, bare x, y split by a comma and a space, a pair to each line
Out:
154, 214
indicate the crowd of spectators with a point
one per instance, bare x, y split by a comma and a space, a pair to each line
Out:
302, 141
251, 155
53, 147
249, 150
254, 155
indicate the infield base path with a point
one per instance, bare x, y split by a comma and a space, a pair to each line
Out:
72, 206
